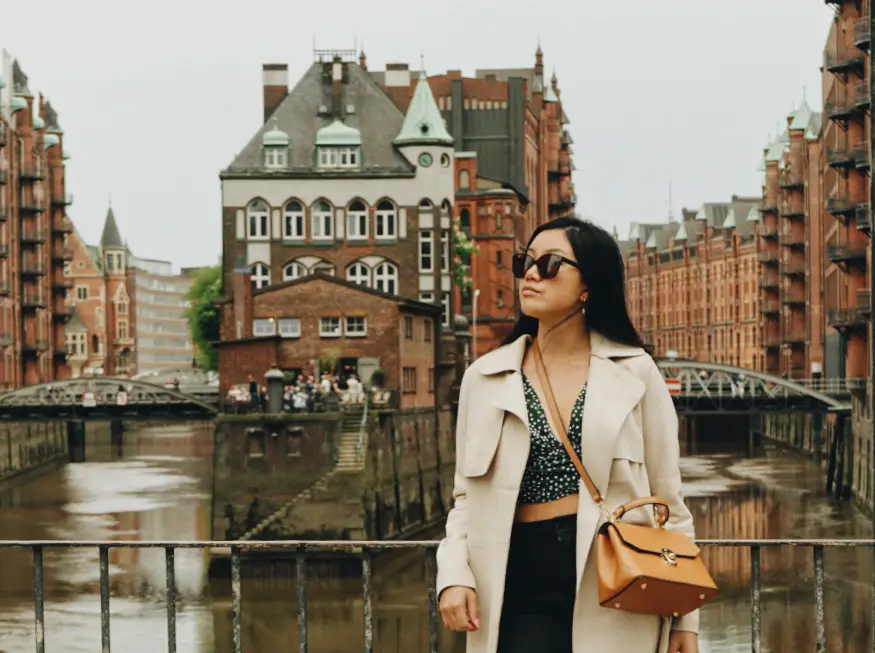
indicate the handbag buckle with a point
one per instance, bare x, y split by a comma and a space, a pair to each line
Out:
606, 513
669, 557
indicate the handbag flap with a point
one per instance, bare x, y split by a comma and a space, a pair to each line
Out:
648, 539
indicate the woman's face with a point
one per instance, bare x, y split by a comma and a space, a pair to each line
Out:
560, 295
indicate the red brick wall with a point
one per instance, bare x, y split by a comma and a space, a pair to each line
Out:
239, 359
416, 352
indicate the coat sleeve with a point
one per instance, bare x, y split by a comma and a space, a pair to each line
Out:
452, 554
662, 459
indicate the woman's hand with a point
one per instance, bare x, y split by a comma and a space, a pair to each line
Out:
459, 609
683, 641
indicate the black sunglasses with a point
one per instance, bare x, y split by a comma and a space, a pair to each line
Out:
548, 264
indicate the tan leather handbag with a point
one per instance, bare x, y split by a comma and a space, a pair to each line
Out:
641, 568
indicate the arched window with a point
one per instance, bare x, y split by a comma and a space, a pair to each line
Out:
294, 270
386, 220
425, 206
259, 225
359, 274
386, 278
293, 221
465, 220
464, 180
95, 344
322, 266
259, 274
357, 221
322, 221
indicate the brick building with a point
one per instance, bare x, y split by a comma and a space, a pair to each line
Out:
845, 184
321, 321
692, 283
127, 311
339, 180
513, 172
33, 233
791, 249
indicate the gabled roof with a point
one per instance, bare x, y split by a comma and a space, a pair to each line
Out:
801, 118
111, 238
681, 235
754, 215
75, 323
423, 123
306, 109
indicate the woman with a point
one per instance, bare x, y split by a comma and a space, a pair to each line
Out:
517, 569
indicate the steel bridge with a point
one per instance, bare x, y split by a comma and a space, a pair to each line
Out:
712, 388
102, 398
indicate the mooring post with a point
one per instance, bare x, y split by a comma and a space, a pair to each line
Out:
275, 378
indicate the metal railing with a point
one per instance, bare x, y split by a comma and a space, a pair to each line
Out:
833, 386
363, 427
365, 550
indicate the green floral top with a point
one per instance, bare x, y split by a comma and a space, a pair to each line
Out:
549, 474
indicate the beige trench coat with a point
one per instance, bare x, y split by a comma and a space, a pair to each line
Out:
630, 448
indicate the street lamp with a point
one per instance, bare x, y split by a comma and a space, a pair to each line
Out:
474, 321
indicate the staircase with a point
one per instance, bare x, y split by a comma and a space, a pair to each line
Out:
349, 458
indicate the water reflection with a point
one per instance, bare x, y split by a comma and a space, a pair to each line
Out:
157, 487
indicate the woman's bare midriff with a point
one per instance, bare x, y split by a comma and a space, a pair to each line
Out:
528, 512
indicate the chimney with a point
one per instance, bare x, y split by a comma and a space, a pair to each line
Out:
363, 60
241, 293
275, 83
397, 85
337, 86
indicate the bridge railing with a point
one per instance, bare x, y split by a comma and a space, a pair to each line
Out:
366, 550
834, 386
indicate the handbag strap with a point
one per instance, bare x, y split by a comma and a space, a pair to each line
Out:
561, 432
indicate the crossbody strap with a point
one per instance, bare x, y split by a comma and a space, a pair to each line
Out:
561, 432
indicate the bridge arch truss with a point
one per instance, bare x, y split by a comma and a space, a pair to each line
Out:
102, 398
711, 388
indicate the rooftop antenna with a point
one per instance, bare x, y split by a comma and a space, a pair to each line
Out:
670, 203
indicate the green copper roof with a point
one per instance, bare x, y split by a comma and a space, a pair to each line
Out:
651, 241
754, 215
681, 235
275, 137
801, 118
729, 222
17, 104
702, 215
50, 140
338, 134
550, 95
775, 151
634, 232
38, 123
65, 154
423, 124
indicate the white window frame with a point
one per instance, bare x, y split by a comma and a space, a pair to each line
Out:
386, 220
357, 222
294, 221
259, 279
426, 250
386, 278
426, 297
263, 327
340, 157
294, 270
355, 333
81, 293
276, 156
321, 219
326, 327
359, 274
445, 305
445, 251
258, 220
289, 327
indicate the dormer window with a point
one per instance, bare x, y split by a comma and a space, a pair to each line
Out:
339, 157
276, 157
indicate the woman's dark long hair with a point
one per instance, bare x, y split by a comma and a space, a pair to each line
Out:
601, 268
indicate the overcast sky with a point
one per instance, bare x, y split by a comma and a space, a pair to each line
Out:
156, 97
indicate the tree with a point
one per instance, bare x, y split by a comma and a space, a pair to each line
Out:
202, 316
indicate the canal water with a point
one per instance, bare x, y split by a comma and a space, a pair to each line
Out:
157, 487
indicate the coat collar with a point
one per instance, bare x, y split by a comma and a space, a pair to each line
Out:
509, 357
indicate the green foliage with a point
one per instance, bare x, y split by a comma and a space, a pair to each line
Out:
463, 248
203, 318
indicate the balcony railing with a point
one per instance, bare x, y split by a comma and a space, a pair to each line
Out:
793, 209
770, 306
845, 61
769, 256
770, 281
4, 288
861, 33
839, 157
62, 253
793, 267
4, 134
4, 176
795, 336
32, 267
845, 318
839, 109
794, 296
846, 252
772, 340
791, 180
839, 205
792, 240
862, 219
31, 171
62, 226
861, 155
4, 213
767, 230
35, 345
304, 551
32, 205
4, 250
62, 199
31, 236
861, 94
33, 300
864, 298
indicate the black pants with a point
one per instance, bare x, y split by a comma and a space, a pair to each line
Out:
540, 587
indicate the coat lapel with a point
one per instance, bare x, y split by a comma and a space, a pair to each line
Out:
504, 365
